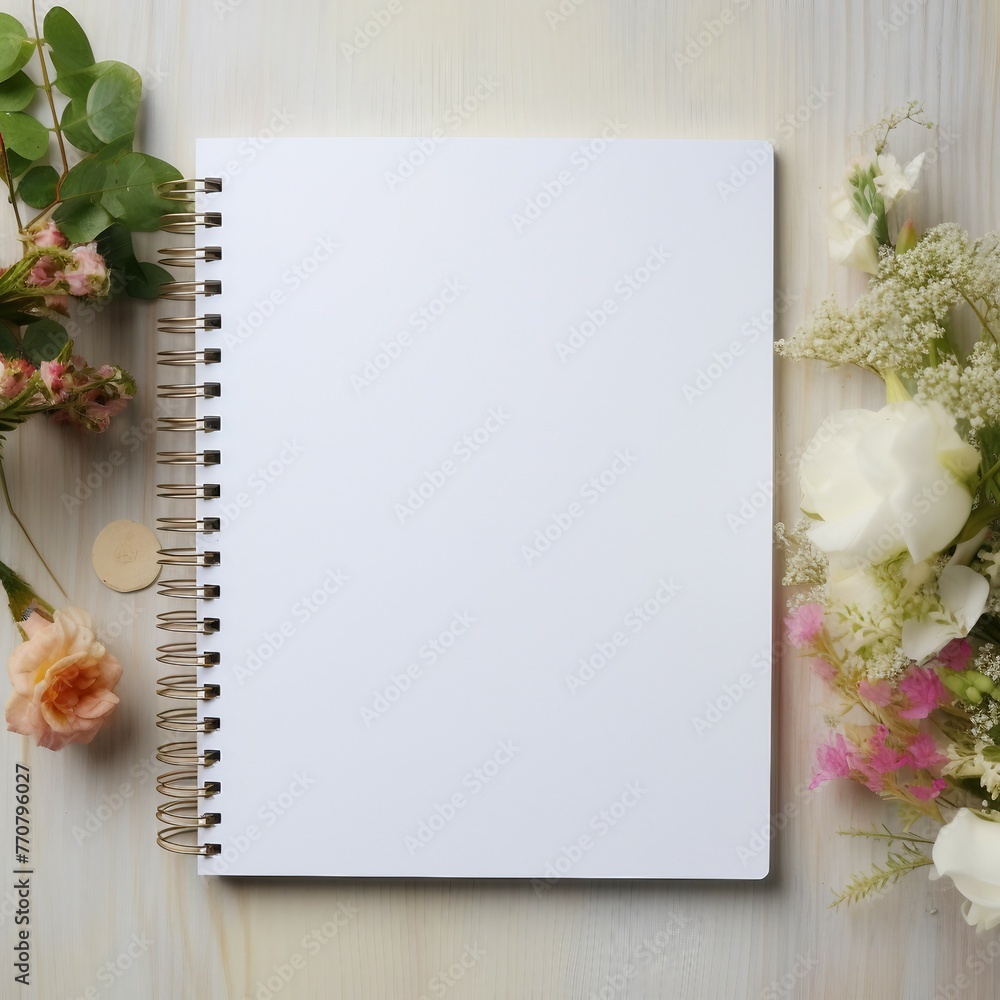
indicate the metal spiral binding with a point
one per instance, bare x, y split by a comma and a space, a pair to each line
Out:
184, 788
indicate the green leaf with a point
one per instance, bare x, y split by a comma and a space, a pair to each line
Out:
153, 276
139, 279
8, 343
12, 314
38, 186
75, 124
68, 41
113, 102
24, 134
80, 220
132, 191
17, 164
15, 47
43, 340
17, 92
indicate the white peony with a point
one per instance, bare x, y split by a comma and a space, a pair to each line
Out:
967, 850
880, 483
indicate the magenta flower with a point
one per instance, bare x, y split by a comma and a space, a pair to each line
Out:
879, 693
882, 760
924, 689
956, 654
924, 793
803, 624
834, 760
922, 753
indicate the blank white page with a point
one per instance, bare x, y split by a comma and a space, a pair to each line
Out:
496, 427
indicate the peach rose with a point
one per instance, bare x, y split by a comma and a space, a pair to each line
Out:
63, 679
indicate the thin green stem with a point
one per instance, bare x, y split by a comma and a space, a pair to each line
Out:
20, 524
9, 180
979, 315
47, 87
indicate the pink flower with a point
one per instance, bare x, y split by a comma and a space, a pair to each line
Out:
49, 235
63, 679
956, 654
881, 759
88, 274
925, 691
43, 273
834, 760
14, 375
824, 668
922, 753
804, 623
879, 693
57, 303
924, 793
54, 375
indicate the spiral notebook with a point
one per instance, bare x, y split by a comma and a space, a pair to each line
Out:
480, 507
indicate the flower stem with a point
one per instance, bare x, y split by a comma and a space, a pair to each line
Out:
47, 87
20, 524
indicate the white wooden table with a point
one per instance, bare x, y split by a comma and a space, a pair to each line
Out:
113, 915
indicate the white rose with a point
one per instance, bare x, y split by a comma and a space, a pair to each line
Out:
967, 850
963, 593
893, 181
880, 483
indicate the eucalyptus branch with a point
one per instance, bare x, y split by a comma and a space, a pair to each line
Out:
47, 87
5, 165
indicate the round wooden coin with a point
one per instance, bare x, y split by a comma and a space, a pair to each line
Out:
124, 556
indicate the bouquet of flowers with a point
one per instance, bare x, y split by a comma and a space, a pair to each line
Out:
76, 165
898, 552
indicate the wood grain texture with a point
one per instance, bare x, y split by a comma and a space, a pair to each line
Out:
104, 893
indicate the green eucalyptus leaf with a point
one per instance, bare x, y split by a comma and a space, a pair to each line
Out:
10, 313
18, 165
15, 46
9, 346
43, 340
153, 276
76, 126
68, 41
132, 193
17, 92
81, 220
24, 134
113, 102
38, 186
